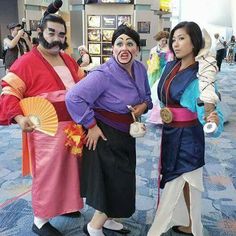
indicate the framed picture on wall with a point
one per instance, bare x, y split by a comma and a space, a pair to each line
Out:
33, 24
94, 48
107, 35
106, 49
144, 27
96, 61
94, 35
109, 21
123, 18
94, 21
105, 58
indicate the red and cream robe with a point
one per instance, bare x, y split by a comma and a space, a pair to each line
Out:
55, 171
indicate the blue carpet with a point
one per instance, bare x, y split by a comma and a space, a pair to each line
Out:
219, 198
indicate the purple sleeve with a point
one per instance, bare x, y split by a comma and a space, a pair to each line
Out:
81, 97
148, 98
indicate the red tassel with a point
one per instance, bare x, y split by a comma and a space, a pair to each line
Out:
75, 138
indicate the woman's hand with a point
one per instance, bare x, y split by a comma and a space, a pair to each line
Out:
93, 136
213, 117
25, 123
139, 109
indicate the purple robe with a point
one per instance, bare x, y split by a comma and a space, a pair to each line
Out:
108, 172
109, 87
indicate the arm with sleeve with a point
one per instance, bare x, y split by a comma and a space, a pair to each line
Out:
189, 100
81, 97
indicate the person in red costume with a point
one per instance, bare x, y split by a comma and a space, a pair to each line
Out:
46, 72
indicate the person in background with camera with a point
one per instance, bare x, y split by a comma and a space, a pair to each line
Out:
48, 73
15, 44
101, 103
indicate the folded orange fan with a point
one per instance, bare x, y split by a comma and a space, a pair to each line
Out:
41, 113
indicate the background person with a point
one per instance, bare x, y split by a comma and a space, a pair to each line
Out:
231, 47
46, 72
159, 56
15, 44
99, 103
85, 58
183, 142
220, 50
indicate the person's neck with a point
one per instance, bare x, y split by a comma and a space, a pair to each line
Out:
45, 53
186, 63
52, 59
162, 48
128, 68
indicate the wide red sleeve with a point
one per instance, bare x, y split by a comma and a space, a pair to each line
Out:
9, 108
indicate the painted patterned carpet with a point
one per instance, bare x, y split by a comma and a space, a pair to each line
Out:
219, 198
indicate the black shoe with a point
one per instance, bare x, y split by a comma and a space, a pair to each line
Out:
75, 214
119, 231
85, 229
176, 230
46, 230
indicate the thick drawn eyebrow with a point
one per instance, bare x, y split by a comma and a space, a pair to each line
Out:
126, 39
53, 30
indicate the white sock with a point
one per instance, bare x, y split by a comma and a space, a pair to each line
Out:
111, 224
94, 232
39, 222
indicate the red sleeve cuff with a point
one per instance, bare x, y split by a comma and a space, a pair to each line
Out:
92, 125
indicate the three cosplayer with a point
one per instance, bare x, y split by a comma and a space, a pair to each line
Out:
55, 187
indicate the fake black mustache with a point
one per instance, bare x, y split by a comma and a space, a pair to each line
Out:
47, 45
131, 57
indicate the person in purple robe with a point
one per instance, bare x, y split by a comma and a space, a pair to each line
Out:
100, 103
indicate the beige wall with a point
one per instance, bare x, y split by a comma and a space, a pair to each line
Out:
75, 15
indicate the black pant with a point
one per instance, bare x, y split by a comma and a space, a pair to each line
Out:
220, 57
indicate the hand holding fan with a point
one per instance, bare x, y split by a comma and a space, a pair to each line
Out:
41, 113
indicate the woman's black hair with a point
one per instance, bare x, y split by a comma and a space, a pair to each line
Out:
124, 29
195, 33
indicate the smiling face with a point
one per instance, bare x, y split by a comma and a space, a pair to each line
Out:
125, 50
182, 44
